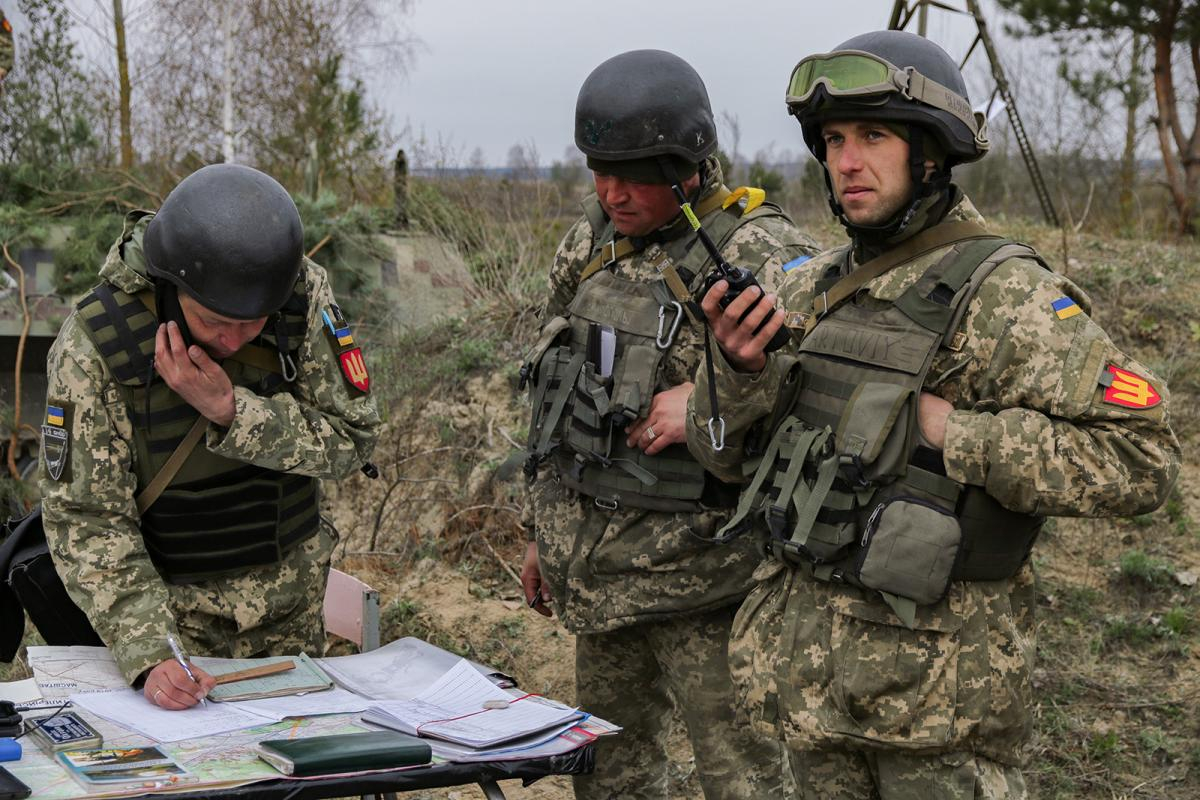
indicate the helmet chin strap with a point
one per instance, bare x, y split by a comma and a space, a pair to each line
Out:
922, 189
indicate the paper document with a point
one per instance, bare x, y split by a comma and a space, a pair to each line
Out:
466, 708
542, 745
332, 701
130, 709
64, 671
306, 677
397, 671
25, 695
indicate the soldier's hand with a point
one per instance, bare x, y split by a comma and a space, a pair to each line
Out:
932, 413
168, 686
664, 424
193, 375
537, 593
743, 348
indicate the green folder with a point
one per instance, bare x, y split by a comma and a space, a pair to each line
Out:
349, 752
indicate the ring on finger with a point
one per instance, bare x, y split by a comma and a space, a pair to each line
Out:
157, 692
650, 434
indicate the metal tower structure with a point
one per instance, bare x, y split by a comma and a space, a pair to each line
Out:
902, 14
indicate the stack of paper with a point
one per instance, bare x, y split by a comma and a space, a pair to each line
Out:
398, 671
466, 708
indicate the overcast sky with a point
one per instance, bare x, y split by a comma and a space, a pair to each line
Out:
490, 74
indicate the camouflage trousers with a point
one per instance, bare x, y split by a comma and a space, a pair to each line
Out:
635, 677
874, 775
273, 611
828, 668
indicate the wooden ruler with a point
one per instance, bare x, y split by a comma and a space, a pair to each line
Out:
255, 672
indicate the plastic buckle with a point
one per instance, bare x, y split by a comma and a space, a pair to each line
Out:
523, 377
716, 436
612, 249
662, 319
825, 303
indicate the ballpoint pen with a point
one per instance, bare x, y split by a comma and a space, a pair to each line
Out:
179, 656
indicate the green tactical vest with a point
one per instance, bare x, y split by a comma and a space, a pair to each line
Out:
578, 416
219, 516
843, 487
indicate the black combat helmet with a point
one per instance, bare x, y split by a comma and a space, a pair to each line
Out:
640, 105
230, 237
890, 76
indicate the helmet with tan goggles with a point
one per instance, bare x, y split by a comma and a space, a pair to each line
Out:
890, 76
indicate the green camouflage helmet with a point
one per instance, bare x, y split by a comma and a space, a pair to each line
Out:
893, 77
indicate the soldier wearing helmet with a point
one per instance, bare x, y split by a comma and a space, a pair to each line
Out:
947, 392
618, 509
210, 338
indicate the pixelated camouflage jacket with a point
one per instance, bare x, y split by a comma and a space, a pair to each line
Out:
318, 427
827, 665
607, 569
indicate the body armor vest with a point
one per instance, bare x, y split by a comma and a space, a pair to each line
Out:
844, 487
579, 415
219, 516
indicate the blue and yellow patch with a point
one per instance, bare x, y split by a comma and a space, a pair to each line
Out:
795, 262
55, 416
344, 339
56, 439
1065, 308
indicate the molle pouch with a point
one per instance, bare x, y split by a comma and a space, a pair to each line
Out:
634, 380
807, 514
873, 434
911, 539
550, 371
590, 421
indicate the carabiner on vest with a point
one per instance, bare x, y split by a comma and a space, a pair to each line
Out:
662, 343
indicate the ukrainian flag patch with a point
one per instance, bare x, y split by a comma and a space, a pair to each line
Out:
1065, 308
55, 416
795, 262
56, 439
344, 339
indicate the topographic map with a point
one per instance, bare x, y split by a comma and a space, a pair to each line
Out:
224, 760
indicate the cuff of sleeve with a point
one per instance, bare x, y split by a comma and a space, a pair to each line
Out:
966, 448
139, 655
220, 440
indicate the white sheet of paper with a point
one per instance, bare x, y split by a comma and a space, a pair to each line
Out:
397, 671
330, 701
64, 671
453, 708
130, 709
25, 694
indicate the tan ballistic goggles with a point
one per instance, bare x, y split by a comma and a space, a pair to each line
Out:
853, 74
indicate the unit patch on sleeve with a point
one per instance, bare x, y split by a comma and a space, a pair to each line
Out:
1124, 388
56, 439
350, 357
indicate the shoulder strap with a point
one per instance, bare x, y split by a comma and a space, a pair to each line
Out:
615, 249
925, 241
171, 468
932, 301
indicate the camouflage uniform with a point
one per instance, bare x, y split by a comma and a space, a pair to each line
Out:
650, 602
314, 428
867, 706
6, 45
